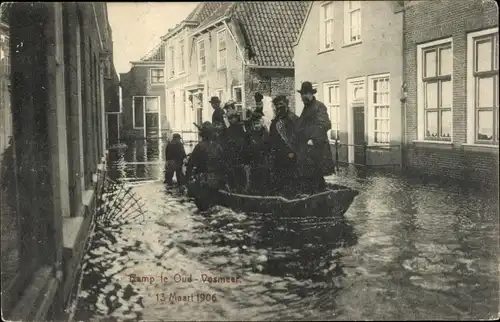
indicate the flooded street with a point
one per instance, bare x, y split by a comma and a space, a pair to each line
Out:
403, 250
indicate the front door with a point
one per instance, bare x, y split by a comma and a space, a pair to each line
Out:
152, 125
113, 130
359, 134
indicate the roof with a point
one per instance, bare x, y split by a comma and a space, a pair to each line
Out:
271, 29
222, 10
156, 54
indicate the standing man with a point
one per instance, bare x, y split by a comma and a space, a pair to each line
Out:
283, 157
315, 159
234, 144
217, 117
175, 155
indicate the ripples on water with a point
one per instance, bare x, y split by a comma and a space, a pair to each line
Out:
403, 251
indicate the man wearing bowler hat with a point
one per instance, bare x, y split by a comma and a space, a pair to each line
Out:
315, 159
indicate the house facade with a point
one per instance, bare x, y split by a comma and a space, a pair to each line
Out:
451, 69
143, 97
58, 63
352, 53
230, 50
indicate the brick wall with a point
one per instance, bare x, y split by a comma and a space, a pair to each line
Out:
431, 20
136, 83
269, 82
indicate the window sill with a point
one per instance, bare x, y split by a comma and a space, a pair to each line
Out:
157, 84
480, 147
437, 144
322, 51
349, 44
375, 146
220, 69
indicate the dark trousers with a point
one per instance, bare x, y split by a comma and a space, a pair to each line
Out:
171, 168
313, 184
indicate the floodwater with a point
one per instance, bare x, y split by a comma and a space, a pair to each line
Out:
404, 250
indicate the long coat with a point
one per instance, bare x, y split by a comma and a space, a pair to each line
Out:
313, 124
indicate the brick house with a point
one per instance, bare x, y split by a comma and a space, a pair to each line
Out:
352, 52
230, 50
143, 96
59, 60
451, 69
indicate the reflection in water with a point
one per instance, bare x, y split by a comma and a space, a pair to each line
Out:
403, 250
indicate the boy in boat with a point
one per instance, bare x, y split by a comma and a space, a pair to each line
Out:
258, 157
315, 159
217, 116
235, 146
205, 168
282, 148
175, 155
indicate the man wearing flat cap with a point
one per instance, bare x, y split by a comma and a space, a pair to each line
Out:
315, 159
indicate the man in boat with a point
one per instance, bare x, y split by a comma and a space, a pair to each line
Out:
282, 148
217, 116
315, 159
175, 155
205, 169
235, 143
258, 157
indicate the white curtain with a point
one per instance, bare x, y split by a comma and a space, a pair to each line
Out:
268, 111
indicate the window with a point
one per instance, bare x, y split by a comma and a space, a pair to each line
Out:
181, 56
172, 102
238, 98
151, 104
138, 106
435, 67
352, 22
326, 26
483, 87
221, 49
380, 103
332, 100
172, 61
202, 63
157, 76
219, 93
184, 105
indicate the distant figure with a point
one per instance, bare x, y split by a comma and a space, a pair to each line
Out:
205, 169
315, 159
217, 116
175, 155
283, 158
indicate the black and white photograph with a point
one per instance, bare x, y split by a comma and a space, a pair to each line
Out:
250, 161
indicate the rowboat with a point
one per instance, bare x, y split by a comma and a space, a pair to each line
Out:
334, 201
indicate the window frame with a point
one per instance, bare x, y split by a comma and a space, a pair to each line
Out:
182, 63
238, 104
323, 46
372, 106
332, 105
201, 71
422, 80
221, 50
472, 86
151, 76
171, 50
144, 112
348, 12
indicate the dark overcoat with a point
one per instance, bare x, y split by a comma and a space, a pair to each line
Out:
313, 124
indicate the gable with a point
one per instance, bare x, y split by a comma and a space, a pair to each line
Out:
306, 18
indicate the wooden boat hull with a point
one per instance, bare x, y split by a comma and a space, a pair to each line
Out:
333, 202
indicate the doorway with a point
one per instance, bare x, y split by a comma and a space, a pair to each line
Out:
359, 134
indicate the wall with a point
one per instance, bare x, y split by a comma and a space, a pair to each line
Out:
379, 52
137, 83
56, 51
424, 21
